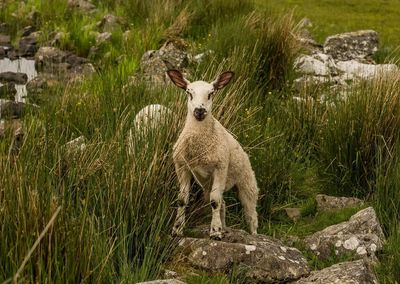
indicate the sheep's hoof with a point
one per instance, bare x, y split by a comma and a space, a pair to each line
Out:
216, 236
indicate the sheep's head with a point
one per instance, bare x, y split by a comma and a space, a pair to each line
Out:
200, 93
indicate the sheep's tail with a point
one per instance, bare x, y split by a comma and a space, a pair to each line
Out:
248, 196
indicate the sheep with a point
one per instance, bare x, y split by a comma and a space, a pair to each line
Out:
149, 117
206, 151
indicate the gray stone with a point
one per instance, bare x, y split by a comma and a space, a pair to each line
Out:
153, 64
14, 77
262, 258
27, 30
47, 56
36, 87
166, 281
357, 45
353, 272
5, 40
326, 202
318, 64
293, 213
362, 236
27, 46
103, 37
82, 5
75, 145
110, 23
10, 108
353, 69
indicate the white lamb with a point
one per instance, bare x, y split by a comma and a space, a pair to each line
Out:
209, 153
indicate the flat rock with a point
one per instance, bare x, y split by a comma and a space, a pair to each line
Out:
353, 69
263, 259
166, 281
13, 77
326, 202
362, 235
352, 272
353, 45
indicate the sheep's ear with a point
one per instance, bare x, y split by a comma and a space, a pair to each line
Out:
223, 80
178, 79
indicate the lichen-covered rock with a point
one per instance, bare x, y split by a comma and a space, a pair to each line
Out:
263, 259
326, 202
153, 64
352, 272
362, 235
353, 45
110, 23
166, 281
353, 69
318, 64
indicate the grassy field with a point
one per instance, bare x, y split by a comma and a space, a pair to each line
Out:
331, 17
111, 212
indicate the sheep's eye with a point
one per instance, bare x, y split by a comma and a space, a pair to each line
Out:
190, 95
210, 94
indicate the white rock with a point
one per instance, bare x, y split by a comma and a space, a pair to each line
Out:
353, 69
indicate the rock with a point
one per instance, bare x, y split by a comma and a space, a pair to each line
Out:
357, 45
3, 52
5, 40
27, 46
27, 30
306, 82
361, 235
58, 38
8, 91
14, 77
10, 108
166, 281
353, 69
76, 145
153, 67
151, 116
318, 64
39, 84
293, 213
48, 56
103, 37
326, 202
110, 23
262, 258
352, 272
82, 5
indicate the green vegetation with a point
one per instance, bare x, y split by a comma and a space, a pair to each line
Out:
117, 208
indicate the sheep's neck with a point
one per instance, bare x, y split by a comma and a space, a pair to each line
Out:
195, 126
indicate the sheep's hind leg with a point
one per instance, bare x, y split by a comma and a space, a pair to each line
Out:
184, 177
248, 198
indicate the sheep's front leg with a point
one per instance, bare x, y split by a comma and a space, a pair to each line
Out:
184, 177
216, 201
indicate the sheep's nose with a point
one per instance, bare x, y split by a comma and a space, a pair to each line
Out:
200, 113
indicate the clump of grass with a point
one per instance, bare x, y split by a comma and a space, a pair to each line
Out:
358, 128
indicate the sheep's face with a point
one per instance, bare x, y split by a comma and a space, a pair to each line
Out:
200, 99
200, 93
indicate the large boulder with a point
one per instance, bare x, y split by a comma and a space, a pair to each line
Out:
354, 272
357, 45
326, 202
262, 258
362, 236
